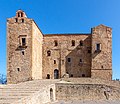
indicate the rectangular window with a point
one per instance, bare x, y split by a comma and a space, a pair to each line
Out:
23, 41
80, 60
81, 43
69, 59
16, 20
62, 62
54, 61
98, 46
56, 43
73, 43
22, 20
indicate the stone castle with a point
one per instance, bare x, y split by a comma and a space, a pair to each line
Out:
50, 68
34, 55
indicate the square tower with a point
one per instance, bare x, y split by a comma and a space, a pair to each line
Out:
101, 52
23, 37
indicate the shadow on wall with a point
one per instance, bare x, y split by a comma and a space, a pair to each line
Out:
78, 61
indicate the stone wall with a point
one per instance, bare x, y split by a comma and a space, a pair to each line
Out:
69, 91
19, 57
102, 59
65, 50
37, 39
51, 56
43, 96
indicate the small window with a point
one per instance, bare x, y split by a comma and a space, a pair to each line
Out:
48, 53
23, 53
98, 46
73, 43
89, 51
62, 62
22, 20
23, 41
18, 14
83, 75
71, 75
81, 43
69, 59
18, 69
67, 72
48, 76
54, 61
21, 14
16, 20
102, 66
56, 43
80, 60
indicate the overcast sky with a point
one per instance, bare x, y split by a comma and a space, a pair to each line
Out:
65, 16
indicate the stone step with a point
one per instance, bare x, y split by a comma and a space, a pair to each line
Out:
8, 100
19, 89
15, 94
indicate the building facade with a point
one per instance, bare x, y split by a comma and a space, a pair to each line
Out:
34, 55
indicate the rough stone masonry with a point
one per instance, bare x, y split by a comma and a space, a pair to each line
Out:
34, 55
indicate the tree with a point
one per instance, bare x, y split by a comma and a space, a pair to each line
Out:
3, 79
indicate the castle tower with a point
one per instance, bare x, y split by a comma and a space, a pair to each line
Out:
24, 45
101, 52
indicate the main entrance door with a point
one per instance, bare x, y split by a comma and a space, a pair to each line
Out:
56, 74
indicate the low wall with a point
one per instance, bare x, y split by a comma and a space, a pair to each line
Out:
69, 91
43, 96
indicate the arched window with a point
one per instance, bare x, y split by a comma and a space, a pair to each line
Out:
48, 76
18, 14
56, 43
73, 43
56, 74
21, 14
81, 43
51, 94
49, 53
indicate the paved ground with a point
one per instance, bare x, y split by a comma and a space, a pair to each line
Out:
88, 102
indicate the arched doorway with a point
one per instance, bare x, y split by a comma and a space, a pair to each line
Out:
56, 74
51, 94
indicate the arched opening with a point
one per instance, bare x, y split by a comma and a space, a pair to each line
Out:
51, 94
21, 14
48, 76
18, 14
49, 53
56, 74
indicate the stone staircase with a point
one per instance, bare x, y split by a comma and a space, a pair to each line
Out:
38, 91
13, 93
